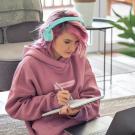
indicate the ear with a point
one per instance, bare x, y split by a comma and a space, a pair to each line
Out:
48, 35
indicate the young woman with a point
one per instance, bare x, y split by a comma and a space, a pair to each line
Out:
53, 70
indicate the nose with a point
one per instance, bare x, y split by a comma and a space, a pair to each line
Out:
72, 47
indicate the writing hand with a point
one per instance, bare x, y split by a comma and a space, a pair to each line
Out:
66, 110
63, 96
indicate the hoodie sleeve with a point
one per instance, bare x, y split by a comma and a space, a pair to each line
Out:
23, 102
90, 89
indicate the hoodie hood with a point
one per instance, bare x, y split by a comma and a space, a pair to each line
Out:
41, 54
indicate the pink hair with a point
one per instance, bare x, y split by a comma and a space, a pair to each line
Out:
73, 27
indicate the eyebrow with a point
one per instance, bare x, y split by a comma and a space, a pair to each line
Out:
71, 40
68, 39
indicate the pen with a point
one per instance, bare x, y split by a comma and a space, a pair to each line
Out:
60, 87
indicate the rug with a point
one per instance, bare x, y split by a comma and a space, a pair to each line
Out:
9, 126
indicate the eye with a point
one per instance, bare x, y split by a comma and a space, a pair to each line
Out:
67, 42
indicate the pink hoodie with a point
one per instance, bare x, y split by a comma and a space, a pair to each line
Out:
33, 91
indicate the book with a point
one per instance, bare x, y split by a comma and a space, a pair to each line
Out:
74, 104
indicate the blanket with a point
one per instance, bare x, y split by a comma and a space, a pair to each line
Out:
18, 11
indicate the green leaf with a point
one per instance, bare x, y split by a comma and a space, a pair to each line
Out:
125, 24
115, 24
132, 19
124, 35
128, 34
125, 21
119, 16
131, 45
129, 50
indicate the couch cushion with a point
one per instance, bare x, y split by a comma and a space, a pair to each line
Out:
12, 51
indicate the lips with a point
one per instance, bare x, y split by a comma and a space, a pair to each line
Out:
69, 52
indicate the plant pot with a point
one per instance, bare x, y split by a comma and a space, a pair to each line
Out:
86, 9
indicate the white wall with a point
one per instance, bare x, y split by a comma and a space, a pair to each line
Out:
97, 36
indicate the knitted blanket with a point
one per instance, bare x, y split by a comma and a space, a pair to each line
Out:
18, 11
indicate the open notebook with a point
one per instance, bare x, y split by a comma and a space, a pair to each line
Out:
74, 104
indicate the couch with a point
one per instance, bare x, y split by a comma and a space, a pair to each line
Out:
18, 18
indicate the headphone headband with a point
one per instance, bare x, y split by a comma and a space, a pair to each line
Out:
64, 19
48, 35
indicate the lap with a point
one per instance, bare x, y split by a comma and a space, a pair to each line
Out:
54, 125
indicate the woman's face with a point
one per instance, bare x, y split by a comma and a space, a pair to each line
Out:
65, 45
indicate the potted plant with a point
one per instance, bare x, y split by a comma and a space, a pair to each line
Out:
126, 24
85, 8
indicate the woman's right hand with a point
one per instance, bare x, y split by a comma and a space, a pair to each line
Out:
63, 96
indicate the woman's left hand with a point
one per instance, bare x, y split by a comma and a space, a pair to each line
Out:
66, 110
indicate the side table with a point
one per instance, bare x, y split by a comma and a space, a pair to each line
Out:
101, 24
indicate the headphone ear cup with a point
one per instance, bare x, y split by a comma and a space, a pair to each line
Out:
48, 35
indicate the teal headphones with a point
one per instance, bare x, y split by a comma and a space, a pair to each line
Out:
48, 34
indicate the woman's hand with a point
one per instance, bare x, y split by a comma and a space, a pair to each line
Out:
63, 96
66, 110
